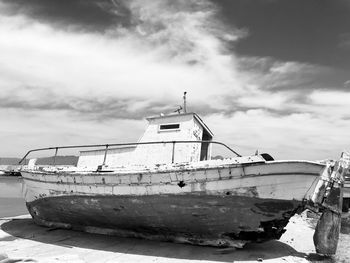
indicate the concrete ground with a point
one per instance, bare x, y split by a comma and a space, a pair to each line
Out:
23, 241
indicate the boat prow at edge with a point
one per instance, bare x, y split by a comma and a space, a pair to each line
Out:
168, 187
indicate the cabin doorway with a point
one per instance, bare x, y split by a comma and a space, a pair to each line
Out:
205, 146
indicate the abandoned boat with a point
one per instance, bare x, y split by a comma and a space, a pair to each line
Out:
168, 187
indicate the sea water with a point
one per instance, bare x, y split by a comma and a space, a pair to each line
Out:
11, 199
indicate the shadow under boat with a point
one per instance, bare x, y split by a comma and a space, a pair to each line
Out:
27, 229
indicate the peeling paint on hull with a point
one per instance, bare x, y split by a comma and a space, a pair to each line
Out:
190, 218
199, 203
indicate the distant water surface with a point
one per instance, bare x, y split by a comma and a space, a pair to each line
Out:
11, 200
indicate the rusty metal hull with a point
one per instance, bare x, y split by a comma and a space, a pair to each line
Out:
226, 205
190, 218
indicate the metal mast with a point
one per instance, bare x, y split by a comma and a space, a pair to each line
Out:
184, 97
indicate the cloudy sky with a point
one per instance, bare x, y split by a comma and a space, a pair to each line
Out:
270, 75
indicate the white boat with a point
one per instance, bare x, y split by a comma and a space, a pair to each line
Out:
168, 187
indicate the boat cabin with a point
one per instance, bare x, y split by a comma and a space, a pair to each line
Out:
170, 134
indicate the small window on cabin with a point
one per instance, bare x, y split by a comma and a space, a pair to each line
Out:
169, 127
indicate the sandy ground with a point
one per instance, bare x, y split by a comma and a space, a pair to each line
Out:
23, 241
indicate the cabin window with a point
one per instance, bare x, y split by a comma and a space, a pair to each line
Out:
169, 127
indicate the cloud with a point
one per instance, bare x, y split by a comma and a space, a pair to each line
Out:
331, 98
293, 136
55, 79
31, 129
276, 75
87, 15
347, 84
161, 56
63, 81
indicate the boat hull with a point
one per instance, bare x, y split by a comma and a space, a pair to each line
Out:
190, 218
222, 206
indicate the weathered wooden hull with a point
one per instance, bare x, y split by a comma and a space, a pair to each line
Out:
222, 206
190, 218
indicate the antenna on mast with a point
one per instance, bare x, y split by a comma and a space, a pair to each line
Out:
184, 97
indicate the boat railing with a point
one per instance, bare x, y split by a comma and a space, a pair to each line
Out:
107, 147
